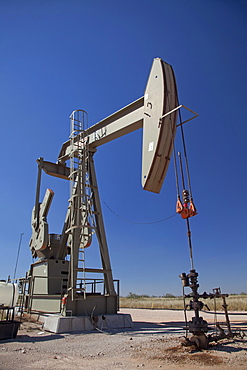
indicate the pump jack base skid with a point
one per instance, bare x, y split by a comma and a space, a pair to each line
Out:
66, 324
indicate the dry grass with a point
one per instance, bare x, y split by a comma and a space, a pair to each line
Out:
234, 302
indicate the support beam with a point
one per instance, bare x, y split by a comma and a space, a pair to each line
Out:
150, 112
122, 122
54, 169
100, 231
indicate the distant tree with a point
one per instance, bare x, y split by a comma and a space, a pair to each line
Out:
132, 295
169, 295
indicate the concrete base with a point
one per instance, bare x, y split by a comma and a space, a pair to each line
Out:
61, 324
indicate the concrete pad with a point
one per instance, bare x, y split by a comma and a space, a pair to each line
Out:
60, 324
114, 321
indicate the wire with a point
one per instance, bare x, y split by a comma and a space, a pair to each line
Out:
190, 244
185, 155
175, 160
18, 252
173, 143
190, 190
139, 223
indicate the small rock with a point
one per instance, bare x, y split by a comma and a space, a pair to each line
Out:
131, 338
23, 351
55, 357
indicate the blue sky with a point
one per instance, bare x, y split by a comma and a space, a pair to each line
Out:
57, 56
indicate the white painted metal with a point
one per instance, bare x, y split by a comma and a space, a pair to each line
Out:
155, 112
158, 133
150, 112
177, 108
39, 240
79, 203
120, 123
8, 294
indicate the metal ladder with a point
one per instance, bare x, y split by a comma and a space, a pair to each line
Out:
79, 204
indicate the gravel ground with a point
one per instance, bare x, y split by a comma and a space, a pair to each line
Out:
153, 343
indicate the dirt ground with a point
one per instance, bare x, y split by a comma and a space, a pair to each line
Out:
153, 343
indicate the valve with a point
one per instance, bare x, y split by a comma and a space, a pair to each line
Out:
185, 279
197, 325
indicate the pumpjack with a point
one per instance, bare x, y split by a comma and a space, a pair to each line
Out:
59, 280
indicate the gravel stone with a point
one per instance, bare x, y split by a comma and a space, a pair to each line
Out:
155, 343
